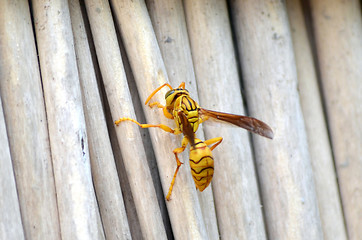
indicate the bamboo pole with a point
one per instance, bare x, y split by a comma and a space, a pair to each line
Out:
146, 140
169, 23
270, 78
128, 134
133, 221
338, 32
235, 186
11, 226
104, 172
78, 212
21, 92
318, 142
149, 72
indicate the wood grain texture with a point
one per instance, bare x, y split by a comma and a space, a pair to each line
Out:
338, 33
149, 72
66, 170
234, 184
26, 122
169, 24
128, 134
104, 172
10, 218
317, 134
270, 79
78, 210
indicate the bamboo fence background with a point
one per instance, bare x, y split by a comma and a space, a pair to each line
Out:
69, 69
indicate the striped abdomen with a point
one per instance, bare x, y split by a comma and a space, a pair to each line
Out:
202, 164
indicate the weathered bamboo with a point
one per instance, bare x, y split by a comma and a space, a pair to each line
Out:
150, 155
78, 212
128, 134
235, 186
338, 32
149, 71
133, 221
170, 28
10, 218
104, 172
270, 79
318, 142
23, 103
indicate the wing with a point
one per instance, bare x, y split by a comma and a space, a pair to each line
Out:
251, 124
187, 128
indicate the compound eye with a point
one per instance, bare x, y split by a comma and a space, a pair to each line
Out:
169, 93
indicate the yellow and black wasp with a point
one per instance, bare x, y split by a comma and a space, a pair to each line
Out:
188, 115
201, 160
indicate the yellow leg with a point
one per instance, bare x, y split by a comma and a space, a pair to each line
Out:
165, 112
176, 151
203, 118
159, 105
182, 85
216, 140
173, 179
162, 126
157, 89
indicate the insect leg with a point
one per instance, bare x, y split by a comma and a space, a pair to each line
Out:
203, 118
159, 105
176, 151
182, 85
162, 126
216, 140
157, 89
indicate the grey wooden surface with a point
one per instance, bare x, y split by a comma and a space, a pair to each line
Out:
69, 69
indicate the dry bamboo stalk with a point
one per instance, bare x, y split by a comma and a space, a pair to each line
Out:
235, 187
105, 178
318, 142
338, 32
128, 134
149, 71
26, 122
78, 212
10, 218
170, 28
133, 221
284, 167
146, 140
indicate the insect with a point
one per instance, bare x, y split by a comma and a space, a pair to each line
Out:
188, 115
201, 160
178, 99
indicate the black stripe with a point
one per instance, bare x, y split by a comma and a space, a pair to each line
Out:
202, 170
192, 118
200, 159
203, 184
177, 95
195, 178
198, 143
192, 104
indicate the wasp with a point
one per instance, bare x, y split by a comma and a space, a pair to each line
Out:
201, 160
179, 100
188, 115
